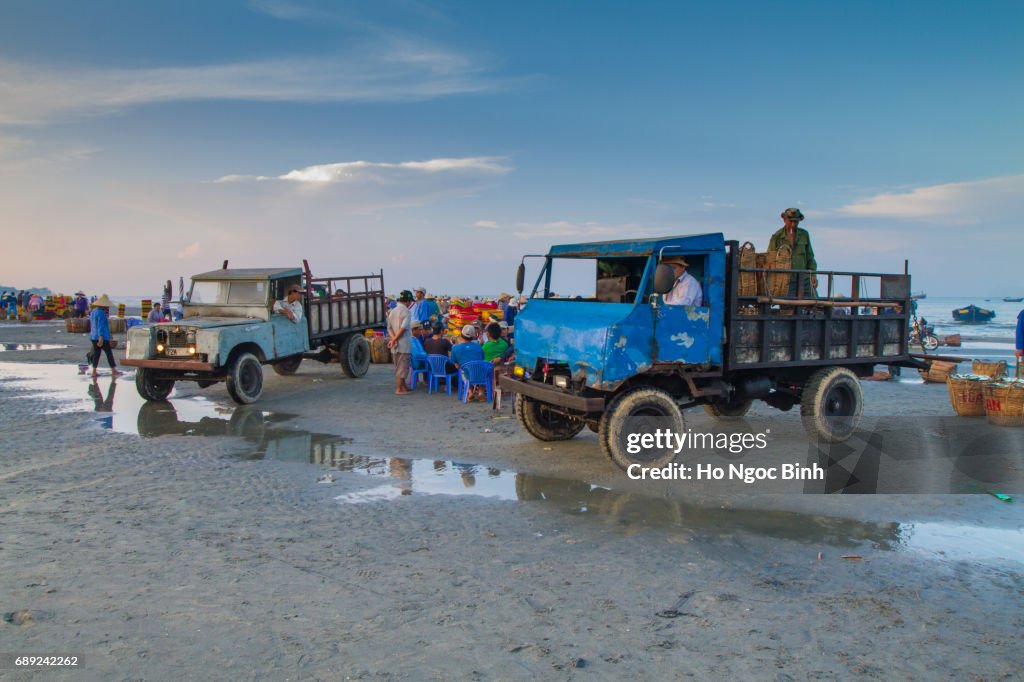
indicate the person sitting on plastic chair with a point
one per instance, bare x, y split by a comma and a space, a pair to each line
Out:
466, 351
475, 378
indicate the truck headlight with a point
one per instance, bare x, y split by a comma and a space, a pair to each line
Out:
519, 372
561, 381
191, 350
159, 348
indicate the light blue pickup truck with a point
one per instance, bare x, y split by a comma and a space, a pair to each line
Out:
229, 330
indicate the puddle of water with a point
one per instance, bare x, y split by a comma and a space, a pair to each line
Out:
6, 347
123, 410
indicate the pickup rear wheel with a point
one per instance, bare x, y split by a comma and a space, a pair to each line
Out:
354, 355
542, 423
733, 408
832, 403
288, 366
639, 411
245, 379
151, 388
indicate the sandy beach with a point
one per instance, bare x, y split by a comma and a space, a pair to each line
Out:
337, 531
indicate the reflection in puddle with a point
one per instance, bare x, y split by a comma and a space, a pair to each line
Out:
4, 347
402, 477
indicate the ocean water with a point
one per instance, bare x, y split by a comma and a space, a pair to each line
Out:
939, 312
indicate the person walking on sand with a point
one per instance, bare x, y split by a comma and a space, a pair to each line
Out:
400, 341
99, 334
1019, 348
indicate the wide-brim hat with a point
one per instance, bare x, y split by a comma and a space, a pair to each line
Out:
679, 260
792, 214
79, 293
102, 302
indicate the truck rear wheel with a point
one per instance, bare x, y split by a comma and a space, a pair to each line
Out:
151, 388
626, 416
354, 355
734, 408
832, 403
542, 423
245, 379
288, 366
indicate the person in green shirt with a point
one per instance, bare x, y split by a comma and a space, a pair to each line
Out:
496, 346
803, 255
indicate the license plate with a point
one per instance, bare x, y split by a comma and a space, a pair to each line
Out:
178, 352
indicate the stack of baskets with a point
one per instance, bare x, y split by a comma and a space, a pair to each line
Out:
77, 325
1004, 401
379, 352
763, 283
117, 325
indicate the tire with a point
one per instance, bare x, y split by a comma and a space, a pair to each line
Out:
543, 424
619, 419
288, 365
931, 342
354, 356
734, 408
245, 379
151, 388
832, 404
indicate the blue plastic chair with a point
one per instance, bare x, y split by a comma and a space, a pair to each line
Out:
476, 373
438, 370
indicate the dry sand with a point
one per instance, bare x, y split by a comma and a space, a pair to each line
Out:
216, 552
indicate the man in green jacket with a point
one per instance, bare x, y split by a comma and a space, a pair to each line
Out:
803, 255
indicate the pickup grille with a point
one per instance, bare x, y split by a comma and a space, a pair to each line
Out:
177, 338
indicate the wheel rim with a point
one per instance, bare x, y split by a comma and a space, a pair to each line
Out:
248, 378
361, 355
839, 402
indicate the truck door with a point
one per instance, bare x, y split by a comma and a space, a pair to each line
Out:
290, 338
681, 332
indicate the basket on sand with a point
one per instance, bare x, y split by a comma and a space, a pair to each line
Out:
938, 371
966, 394
993, 370
77, 325
117, 325
1004, 401
379, 352
779, 259
748, 280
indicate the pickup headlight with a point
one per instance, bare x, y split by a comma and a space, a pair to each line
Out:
561, 381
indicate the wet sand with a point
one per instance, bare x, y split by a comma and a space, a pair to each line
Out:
336, 530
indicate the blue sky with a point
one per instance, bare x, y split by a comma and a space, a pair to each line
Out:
441, 140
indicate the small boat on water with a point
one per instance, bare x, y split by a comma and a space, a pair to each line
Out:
972, 314
918, 295
1010, 299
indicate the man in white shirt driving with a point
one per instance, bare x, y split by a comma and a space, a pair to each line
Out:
686, 290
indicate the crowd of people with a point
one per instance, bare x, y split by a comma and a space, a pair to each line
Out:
417, 327
32, 303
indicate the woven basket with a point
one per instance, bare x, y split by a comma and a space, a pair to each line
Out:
1004, 403
775, 284
78, 325
966, 394
379, 352
118, 325
938, 372
993, 370
748, 280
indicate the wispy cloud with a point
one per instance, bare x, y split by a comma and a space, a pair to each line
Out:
190, 251
486, 224
359, 171
397, 71
957, 203
565, 228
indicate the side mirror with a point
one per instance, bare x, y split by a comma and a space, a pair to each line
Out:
520, 277
664, 279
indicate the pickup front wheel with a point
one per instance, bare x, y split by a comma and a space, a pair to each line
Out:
542, 423
631, 416
151, 388
245, 379
831, 404
354, 355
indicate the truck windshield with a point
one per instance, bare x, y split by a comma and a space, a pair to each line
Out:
229, 293
603, 280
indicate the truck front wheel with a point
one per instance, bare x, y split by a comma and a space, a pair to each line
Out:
630, 416
245, 379
354, 355
151, 388
542, 423
831, 404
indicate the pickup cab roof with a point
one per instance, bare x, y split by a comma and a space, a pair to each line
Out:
714, 241
248, 274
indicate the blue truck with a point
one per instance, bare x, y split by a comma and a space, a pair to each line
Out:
229, 330
617, 352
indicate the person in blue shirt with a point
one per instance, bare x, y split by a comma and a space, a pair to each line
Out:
468, 350
1019, 350
423, 309
99, 334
